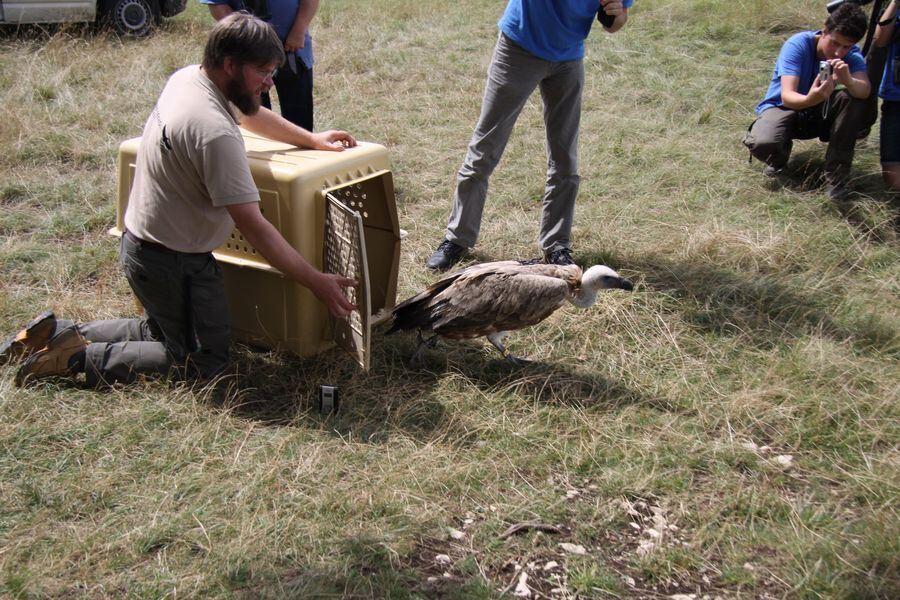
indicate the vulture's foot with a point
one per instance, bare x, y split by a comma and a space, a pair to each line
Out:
497, 340
517, 360
418, 357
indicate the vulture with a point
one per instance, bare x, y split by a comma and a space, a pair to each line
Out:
492, 299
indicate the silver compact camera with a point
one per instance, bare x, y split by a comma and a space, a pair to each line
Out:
825, 70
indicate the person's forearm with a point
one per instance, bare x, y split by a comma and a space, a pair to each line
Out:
275, 127
883, 33
305, 15
798, 101
859, 87
280, 255
265, 238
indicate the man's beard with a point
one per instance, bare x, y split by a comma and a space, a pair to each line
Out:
237, 93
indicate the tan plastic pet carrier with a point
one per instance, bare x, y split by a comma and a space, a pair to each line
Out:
338, 210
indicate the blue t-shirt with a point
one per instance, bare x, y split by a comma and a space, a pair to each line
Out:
890, 89
551, 29
281, 15
798, 58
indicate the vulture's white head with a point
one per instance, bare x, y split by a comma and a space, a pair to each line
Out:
598, 277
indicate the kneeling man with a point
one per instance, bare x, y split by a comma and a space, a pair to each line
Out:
192, 186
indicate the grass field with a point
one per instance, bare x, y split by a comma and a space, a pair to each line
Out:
728, 430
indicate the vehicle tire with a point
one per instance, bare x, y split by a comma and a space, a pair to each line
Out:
134, 18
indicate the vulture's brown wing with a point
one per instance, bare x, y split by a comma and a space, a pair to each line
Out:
417, 312
504, 299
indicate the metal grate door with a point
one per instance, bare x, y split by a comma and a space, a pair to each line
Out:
345, 254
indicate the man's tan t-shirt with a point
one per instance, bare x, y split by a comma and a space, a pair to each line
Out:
191, 165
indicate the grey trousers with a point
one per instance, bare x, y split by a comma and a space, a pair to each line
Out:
513, 75
185, 328
771, 136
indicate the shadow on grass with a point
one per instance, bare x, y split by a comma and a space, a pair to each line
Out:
549, 383
42, 33
763, 308
872, 210
279, 389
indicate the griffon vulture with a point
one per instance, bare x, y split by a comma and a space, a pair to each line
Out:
492, 299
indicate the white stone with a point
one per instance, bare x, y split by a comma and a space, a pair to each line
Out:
573, 548
522, 590
785, 460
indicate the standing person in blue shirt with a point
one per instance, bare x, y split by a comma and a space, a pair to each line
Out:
541, 44
294, 79
888, 34
800, 105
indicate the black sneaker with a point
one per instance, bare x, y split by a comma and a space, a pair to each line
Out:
447, 254
563, 256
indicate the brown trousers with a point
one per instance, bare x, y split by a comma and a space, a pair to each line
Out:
837, 122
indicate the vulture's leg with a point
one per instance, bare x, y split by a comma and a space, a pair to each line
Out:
418, 357
497, 340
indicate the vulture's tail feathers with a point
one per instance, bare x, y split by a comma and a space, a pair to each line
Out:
416, 312
415, 315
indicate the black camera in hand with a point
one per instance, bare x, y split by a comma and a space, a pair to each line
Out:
608, 20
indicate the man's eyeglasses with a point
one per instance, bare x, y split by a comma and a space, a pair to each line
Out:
266, 74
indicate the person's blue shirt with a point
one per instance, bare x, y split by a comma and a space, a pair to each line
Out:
798, 58
281, 15
890, 87
551, 29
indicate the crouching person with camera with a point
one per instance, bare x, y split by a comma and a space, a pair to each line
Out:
817, 90
192, 186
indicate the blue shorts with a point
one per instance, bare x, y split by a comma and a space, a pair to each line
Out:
890, 132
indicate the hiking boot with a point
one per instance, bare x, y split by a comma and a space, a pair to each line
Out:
54, 359
562, 256
31, 339
447, 254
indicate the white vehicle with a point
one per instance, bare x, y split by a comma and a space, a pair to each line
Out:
127, 17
